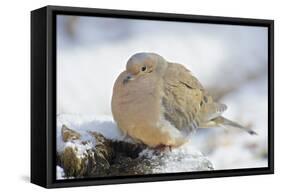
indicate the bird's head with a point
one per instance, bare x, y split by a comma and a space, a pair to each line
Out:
143, 64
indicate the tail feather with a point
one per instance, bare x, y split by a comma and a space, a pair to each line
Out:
226, 123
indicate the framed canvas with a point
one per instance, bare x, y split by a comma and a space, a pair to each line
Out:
126, 96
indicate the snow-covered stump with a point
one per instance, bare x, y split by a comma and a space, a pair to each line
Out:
90, 154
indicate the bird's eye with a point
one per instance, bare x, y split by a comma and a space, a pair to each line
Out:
143, 68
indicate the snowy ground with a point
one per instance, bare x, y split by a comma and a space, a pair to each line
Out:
93, 51
186, 158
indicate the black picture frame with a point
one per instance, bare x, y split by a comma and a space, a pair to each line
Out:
43, 95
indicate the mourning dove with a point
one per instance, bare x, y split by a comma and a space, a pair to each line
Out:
158, 103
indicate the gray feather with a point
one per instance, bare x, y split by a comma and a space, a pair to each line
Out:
226, 123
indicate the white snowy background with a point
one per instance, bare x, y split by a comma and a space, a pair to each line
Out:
92, 52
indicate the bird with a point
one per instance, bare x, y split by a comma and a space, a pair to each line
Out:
160, 103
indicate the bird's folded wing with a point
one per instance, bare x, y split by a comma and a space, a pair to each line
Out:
185, 101
182, 97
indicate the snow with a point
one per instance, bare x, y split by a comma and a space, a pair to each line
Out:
230, 150
183, 159
60, 173
85, 123
81, 149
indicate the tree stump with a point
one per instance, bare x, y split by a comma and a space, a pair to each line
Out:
98, 156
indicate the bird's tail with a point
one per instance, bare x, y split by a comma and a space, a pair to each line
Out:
226, 123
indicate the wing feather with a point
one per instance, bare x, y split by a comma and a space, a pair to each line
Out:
185, 101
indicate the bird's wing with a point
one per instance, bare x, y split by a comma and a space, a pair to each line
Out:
183, 75
185, 102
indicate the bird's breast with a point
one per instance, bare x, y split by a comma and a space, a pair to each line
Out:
137, 110
136, 105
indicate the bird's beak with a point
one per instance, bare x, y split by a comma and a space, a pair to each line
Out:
127, 79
